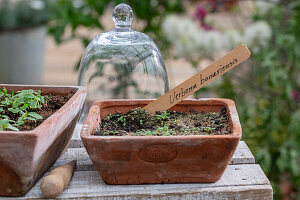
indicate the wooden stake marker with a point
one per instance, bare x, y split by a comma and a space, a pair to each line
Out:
199, 80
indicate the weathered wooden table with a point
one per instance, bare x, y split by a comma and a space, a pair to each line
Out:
243, 179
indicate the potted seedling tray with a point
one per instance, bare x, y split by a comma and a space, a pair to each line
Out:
138, 158
25, 155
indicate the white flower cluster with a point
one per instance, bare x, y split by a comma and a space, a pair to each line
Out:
257, 35
37, 4
184, 34
188, 38
190, 41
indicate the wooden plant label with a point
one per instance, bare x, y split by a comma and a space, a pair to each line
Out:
199, 80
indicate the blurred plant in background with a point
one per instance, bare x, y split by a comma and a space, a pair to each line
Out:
196, 43
65, 17
266, 89
87, 14
23, 26
21, 14
268, 101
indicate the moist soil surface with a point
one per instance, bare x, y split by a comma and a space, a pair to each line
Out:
138, 122
54, 102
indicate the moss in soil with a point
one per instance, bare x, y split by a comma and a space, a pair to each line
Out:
53, 103
138, 122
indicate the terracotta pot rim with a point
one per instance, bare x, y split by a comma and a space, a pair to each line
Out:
222, 101
237, 132
36, 130
165, 137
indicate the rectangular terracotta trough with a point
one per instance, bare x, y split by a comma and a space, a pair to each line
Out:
26, 155
160, 159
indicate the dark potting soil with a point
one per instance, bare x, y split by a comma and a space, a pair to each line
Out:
54, 102
138, 122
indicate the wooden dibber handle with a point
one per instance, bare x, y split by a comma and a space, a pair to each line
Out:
199, 80
58, 179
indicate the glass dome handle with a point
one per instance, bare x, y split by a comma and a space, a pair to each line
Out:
122, 15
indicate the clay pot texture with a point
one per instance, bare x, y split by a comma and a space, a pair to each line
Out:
160, 159
26, 155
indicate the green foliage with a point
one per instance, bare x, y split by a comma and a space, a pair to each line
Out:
20, 104
267, 95
161, 131
66, 16
87, 13
23, 13
164, 116
122, 119
111, 116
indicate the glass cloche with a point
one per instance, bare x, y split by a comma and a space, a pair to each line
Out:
123, 63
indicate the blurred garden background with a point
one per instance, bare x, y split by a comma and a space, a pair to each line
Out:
190, 34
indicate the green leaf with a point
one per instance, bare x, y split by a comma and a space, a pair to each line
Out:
25, 106
35, 115
12, 128
14, 110
294, 162
264, 158
32, 104
4, 116
282, 161
31, 118
21, 103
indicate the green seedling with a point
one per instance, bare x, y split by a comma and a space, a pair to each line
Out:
122, 119
164, 116
208, 129
20, 104
166, 123
111, 116
161, 131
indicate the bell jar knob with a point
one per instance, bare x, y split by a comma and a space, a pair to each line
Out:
122, 15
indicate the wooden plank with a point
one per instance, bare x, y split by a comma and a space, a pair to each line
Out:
242, 155
84, 162
252, 192
76, 143
246, 181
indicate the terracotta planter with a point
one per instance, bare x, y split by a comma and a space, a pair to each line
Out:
26, 155
160, 159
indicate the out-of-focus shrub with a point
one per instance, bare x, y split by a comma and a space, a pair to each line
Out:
266, 89
23, 13
267, 96
87, 13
